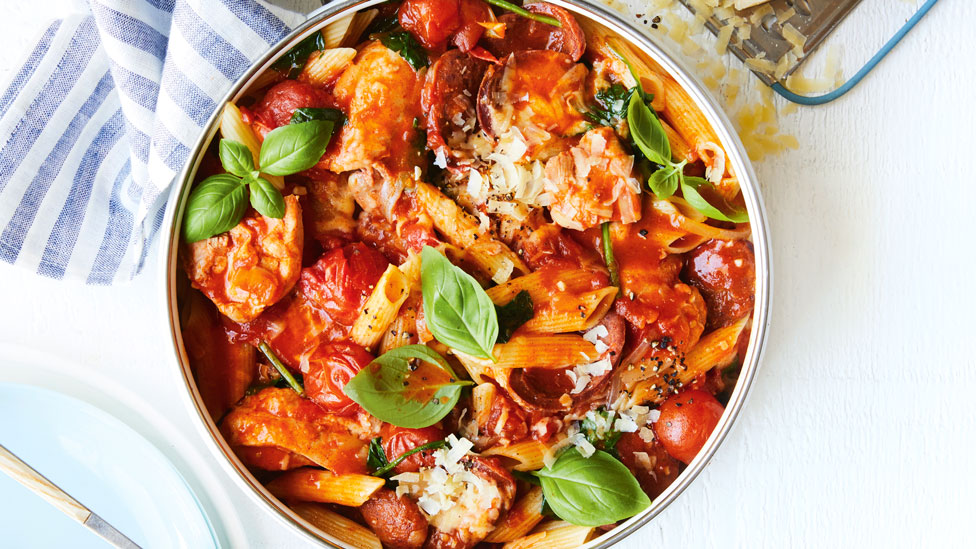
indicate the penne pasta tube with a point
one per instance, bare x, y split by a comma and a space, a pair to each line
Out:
680, 150
481, 398
520, 519
537, 351
567, 537
380, 309
686, 218
490, 255
233, 127
323, 486
323, 67
338, 526
564, 300
529, 455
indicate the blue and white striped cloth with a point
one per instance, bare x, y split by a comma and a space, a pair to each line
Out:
100, 118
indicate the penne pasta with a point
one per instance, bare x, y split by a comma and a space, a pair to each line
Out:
323, 67
564, 300
338, 526
716, 349
680, 150
492, 257
537, 351
380, 308
529, 455
481, 398
234, 128
520, 519
322, 486
566, 537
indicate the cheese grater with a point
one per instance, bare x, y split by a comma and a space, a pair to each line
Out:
815, 19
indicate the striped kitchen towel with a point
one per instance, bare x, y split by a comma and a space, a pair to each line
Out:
100, 118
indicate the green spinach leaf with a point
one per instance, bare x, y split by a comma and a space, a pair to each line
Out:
295, 147
513, 314
307, 114
215, 206
389, 388
608, 257
592, 491
611, 106
292, 62
407, 46
376, 459
458, 311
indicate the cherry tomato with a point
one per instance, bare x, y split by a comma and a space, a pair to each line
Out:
278, 104
397, 440
685, 423
472, 12
341, 281
328, 370
431, 22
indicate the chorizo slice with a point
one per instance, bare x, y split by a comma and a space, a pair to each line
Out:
539, 93
449, 99
725, 273
526, 34
250, 267
396, 520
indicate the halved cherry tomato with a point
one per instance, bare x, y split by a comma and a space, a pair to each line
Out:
687, 419
342, 280
398, 440
328, 370
431, 22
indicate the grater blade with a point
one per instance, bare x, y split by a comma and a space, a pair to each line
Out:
813, 18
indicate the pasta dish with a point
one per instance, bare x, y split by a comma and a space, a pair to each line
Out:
464, 273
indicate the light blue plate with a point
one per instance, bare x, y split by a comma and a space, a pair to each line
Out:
102, 463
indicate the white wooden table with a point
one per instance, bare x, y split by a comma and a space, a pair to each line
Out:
861, 426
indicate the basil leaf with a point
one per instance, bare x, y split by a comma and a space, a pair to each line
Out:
307, 114
215, 206
376, 459
407, 46
513, 314
664, 182
608, 255
294, 61
647, 132
591, 491
236, 157
689, 189
459, 313
266, 198
295, 147
397, 390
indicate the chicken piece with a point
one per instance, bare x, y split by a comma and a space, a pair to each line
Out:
280, 418
380, 94
593, 183
540, 94
223, 369
250, 267
271, 458
462, 500
396, 520
329, 209
654, 301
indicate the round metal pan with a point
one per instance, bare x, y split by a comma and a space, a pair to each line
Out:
172, 275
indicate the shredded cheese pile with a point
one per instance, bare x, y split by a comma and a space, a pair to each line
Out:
448, 484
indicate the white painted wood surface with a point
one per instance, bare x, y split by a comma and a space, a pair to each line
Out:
861, 427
